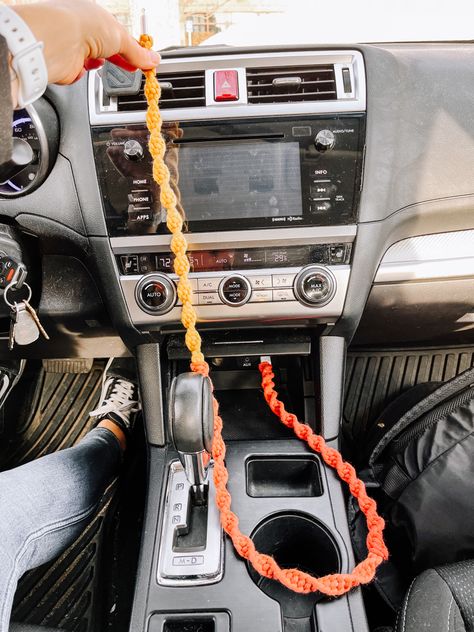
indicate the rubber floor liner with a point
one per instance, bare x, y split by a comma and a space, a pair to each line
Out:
375, 377
65, 593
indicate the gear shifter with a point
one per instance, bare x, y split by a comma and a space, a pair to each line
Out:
191, 418
191, 547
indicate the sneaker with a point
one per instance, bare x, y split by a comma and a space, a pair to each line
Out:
119, 395
10, 373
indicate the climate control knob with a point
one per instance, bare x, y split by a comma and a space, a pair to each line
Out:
133, 150
235, 290
324, 140
315, 286
155, 294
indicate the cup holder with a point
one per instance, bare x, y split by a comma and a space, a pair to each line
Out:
295, 540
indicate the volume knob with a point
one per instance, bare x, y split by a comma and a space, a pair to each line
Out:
324, 140
133, 150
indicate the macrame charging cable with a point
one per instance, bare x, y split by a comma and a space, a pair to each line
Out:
294, 579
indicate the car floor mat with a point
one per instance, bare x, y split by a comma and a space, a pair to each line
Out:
375, 377
73, 592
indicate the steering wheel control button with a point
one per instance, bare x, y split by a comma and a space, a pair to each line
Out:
226, 85
235, 290
133, 150
324, 140
315, 286
156, 294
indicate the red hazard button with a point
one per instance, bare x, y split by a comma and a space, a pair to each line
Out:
226, 85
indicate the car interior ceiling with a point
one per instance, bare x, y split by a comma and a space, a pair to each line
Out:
329, 215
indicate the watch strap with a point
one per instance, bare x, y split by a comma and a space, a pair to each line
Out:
27, 56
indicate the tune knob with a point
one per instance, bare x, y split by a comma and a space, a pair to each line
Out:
133, 150
156, 294
324, 140
315, 286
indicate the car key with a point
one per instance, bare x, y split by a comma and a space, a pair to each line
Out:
24, 329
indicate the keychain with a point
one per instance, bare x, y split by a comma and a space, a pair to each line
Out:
25, 325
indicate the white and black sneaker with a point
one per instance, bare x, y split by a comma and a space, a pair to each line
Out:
119, 396
10, 373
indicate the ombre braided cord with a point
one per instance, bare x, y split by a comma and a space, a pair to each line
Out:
294, 579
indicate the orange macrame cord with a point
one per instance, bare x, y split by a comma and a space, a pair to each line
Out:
294, 579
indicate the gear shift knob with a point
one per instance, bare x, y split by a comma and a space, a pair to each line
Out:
192, 420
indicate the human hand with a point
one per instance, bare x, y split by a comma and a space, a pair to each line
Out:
78, 35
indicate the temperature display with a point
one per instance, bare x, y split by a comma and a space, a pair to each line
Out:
241, 259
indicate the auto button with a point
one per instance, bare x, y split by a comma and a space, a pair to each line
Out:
155, 294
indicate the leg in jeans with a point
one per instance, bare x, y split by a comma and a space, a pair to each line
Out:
45, 504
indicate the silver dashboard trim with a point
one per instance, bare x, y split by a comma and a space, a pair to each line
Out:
262, 313
429, 257
355, 102
241, 239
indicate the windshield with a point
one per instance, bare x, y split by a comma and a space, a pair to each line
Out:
279, 22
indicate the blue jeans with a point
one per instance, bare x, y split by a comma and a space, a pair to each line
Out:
45, 504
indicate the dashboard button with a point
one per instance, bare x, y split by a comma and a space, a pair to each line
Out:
209, 298
283, 280
320, 206
283, 295
140, 198
261, 296
144, 264
258, 282
129, 264
226, 85
315, 286
209, 285
235, 290
337, 253
142, 215
156, 294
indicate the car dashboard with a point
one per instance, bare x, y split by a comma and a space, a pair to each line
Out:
325, 187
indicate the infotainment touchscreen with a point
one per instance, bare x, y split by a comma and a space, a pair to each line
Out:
234, 175
236, 180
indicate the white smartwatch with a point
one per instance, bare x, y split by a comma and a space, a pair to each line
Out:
27, 56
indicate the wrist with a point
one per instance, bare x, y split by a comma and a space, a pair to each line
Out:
14, 83
26, 60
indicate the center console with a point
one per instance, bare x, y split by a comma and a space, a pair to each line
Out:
270, 205
268, 181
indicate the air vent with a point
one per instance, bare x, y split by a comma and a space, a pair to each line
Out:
289, 84
178, 90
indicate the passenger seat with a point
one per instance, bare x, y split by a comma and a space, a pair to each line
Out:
26, 627
440, 600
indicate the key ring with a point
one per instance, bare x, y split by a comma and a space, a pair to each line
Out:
11, 286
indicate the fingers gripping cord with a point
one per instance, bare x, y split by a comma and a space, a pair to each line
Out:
294, 579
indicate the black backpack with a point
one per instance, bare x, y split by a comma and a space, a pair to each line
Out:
419, 467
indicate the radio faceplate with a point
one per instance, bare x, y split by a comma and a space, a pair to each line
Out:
234, 174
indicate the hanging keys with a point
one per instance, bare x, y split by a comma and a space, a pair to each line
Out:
24, 329
25, 326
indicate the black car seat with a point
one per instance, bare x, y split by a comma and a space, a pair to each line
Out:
440, 599
26, 627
